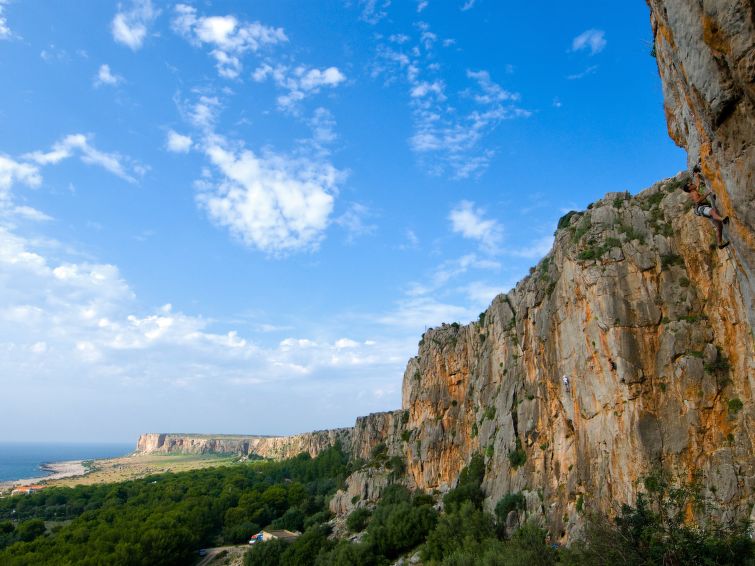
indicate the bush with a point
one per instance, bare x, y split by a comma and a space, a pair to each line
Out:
398, 527
358, 519
265, 553
671, 260
239, 534
735, 405
660, 530
565, 220
349, 554
508, 503
518, 456
458, 527
304, 550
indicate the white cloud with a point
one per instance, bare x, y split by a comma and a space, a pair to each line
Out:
468, 5
300, 81
272, 202
482, 294
421, 5
130, 27
228, 38
592, 39
12, 171
323, 127
374, 10
79, 143
355, 221
450, 128
469, 221
5, 32
588, 71
52, 53
203, 113
424, 312
534, 249
178, 143
73, 323
29, 213
106, 77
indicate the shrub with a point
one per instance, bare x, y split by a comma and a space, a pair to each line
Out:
720, 364
565, 220
660, 530
508, 503
380, 450
265, 553
397, 527
670, 260
358, 519
457, 528
735, 405
518, 456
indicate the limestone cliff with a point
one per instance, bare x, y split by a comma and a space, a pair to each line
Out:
273, 447
648, 323
706, 58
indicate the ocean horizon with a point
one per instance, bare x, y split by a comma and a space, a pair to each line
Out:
22, 460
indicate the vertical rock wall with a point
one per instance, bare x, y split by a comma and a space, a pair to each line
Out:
646, 320
706, 59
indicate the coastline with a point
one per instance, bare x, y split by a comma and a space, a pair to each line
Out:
58, 470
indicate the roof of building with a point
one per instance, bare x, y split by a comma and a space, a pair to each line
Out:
283, 534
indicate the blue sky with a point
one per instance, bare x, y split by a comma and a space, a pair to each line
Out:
241, 216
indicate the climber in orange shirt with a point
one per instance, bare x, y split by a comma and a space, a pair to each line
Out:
703, 205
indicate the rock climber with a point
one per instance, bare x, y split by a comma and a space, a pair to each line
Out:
703, 205
565, 379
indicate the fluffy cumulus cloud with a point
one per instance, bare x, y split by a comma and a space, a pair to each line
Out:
450, 127
80, 144
129, 27
227, 38
300, 81
106, 77
178, 143
469, 221
272, 202
593, 40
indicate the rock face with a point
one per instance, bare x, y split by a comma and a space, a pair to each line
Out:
706, 58
273, 447
648, 323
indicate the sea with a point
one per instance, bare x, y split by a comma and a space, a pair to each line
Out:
21, 460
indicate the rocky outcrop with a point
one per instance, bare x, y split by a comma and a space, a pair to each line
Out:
706, 58
648, 323
272, 447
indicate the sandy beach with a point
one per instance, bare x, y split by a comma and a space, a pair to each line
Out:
59, 470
